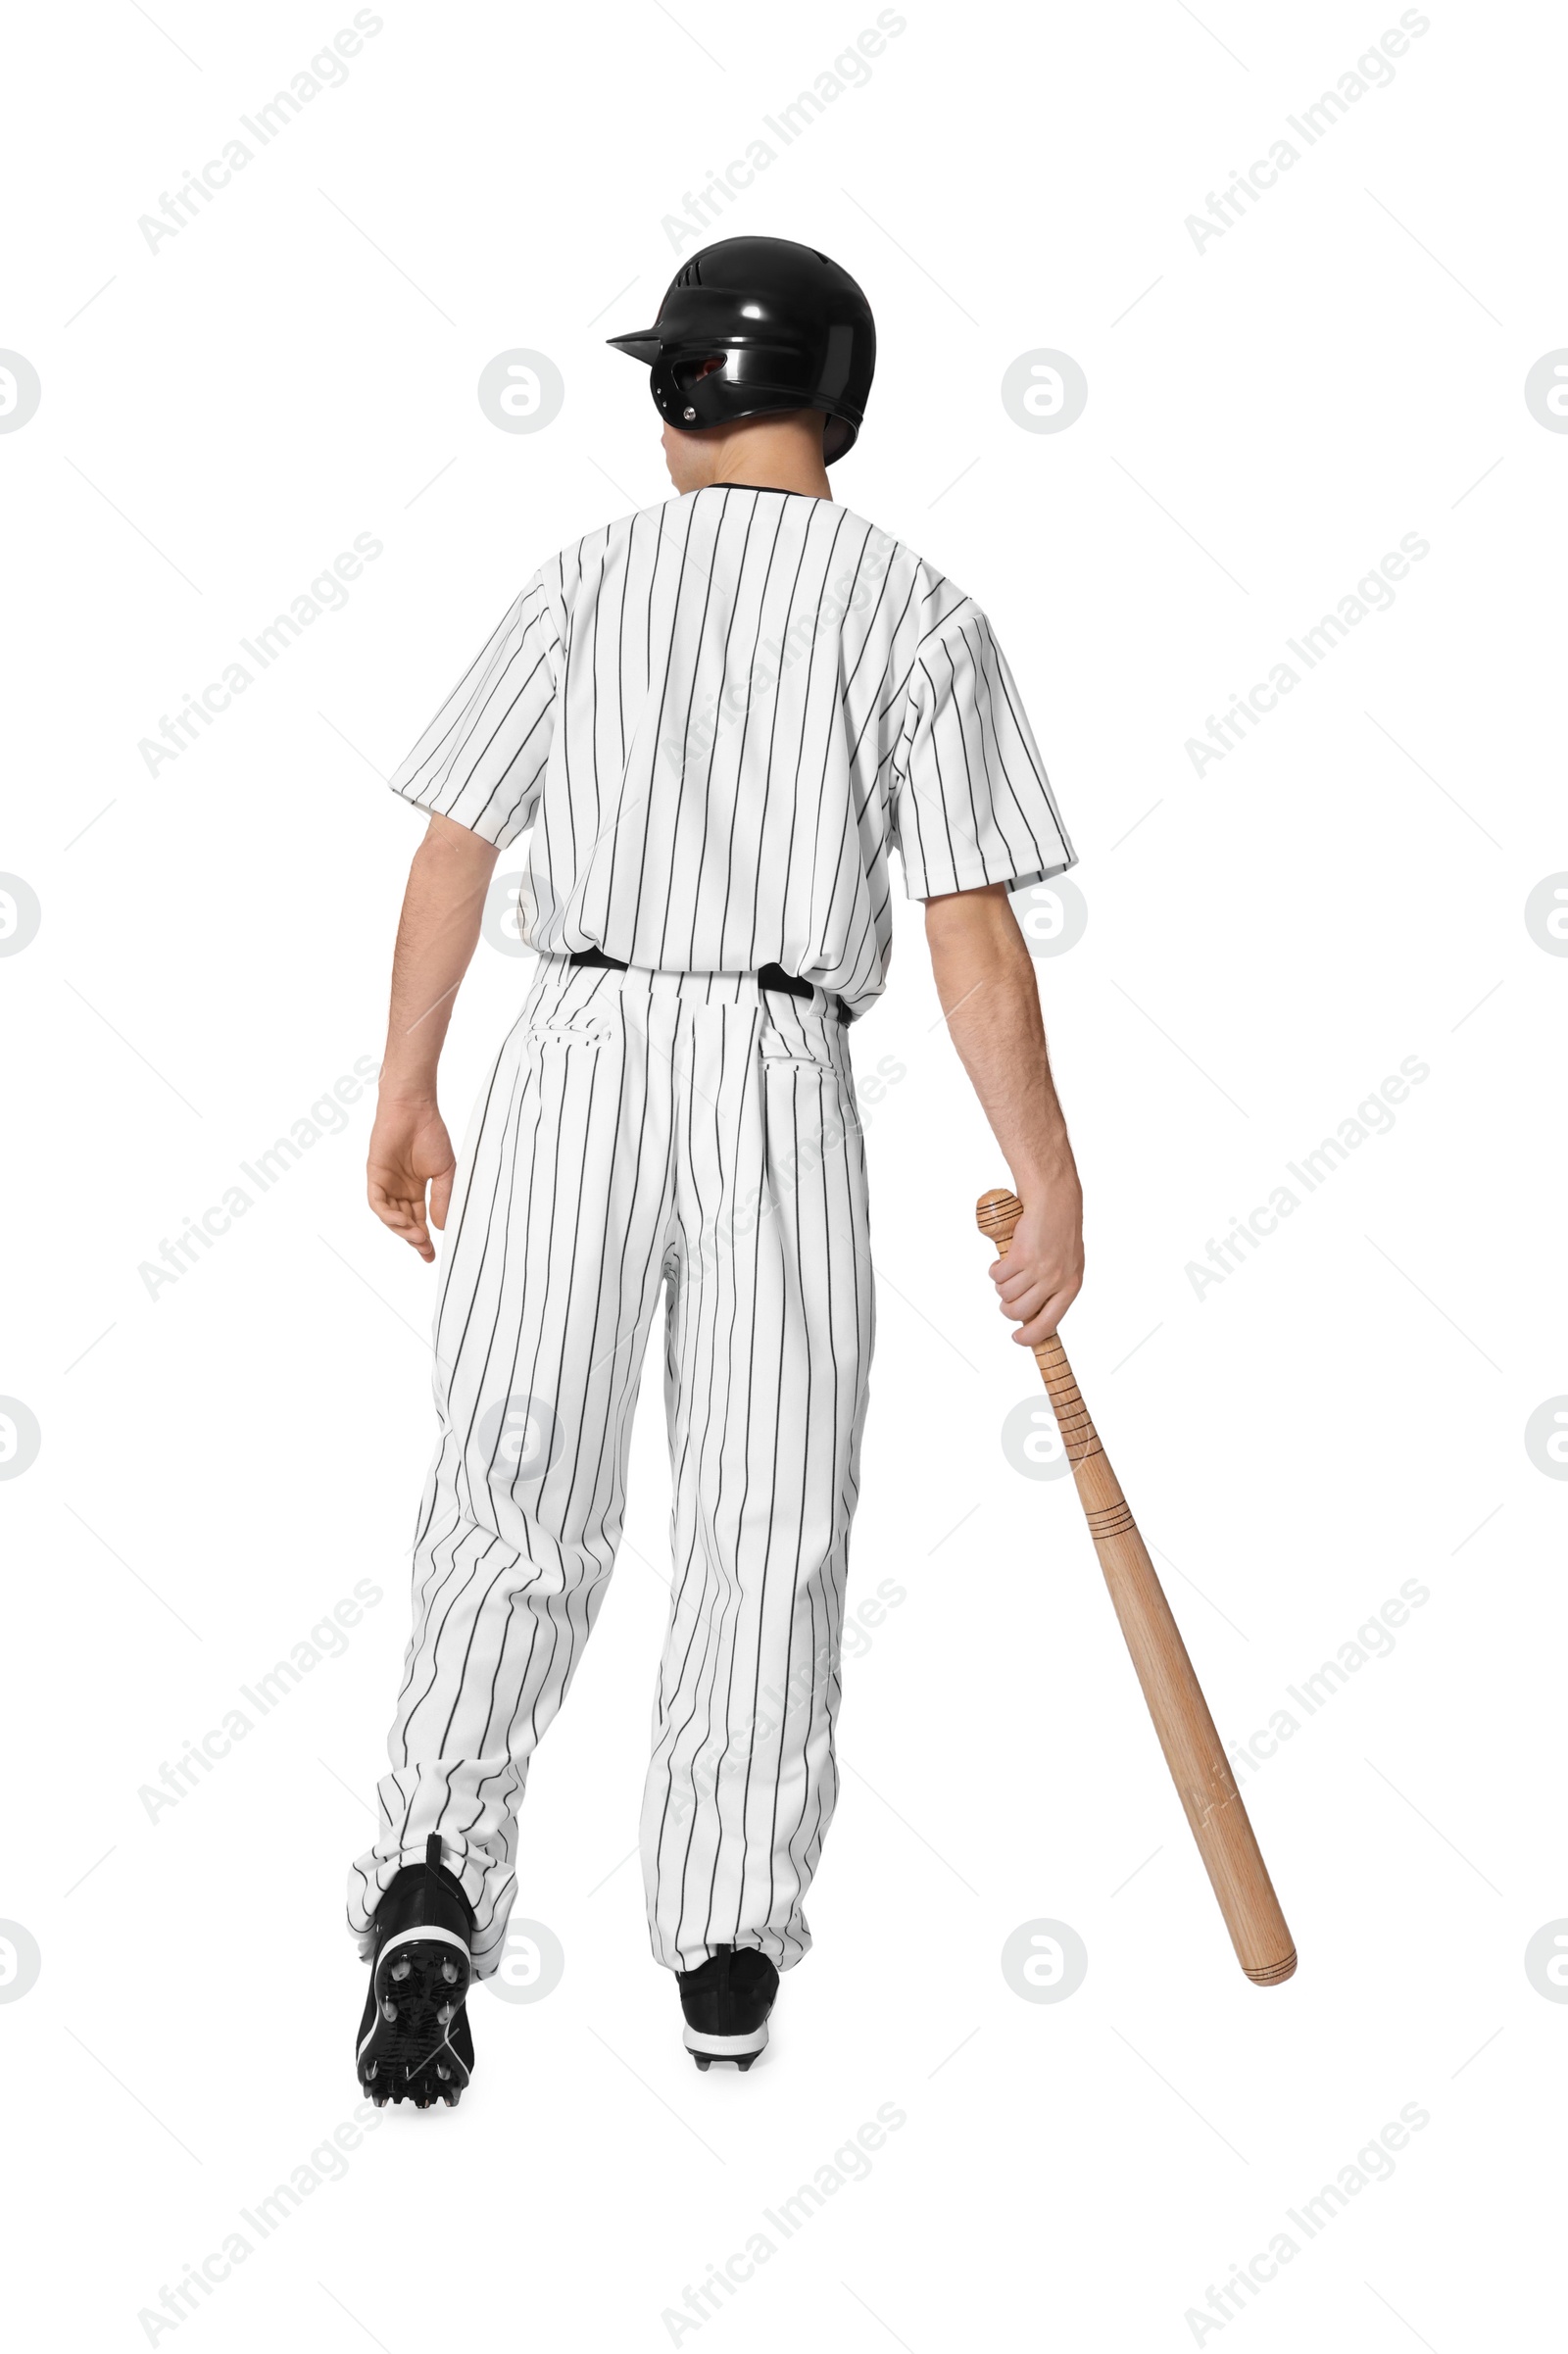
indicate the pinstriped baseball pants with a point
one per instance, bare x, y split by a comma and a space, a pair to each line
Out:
643, 1133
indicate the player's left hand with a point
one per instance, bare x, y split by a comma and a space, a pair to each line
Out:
1043, 1272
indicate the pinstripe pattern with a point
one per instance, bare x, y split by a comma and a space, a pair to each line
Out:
719, 715
644, 1132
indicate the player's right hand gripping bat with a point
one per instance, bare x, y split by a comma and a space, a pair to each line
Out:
1186, 1730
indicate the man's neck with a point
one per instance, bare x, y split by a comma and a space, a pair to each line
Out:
771, 456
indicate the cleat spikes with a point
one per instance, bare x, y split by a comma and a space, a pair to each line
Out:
415, 2040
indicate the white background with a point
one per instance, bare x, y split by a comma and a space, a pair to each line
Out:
1344, 1412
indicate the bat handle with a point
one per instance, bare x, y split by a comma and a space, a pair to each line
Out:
997, 1214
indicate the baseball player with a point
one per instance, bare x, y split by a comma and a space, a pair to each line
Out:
714, 720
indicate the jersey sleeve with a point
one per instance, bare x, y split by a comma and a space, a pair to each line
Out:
482, 761
970, 804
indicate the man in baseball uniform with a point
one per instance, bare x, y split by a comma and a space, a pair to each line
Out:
715, 720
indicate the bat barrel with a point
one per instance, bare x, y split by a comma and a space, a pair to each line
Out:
1215, 1812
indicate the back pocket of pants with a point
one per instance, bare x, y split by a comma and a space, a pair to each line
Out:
797, 1045
557, 1030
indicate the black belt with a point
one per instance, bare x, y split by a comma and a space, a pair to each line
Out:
769, 976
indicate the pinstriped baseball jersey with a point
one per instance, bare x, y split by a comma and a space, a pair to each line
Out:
719, 715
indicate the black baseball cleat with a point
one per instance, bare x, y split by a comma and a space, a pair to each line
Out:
415, 2040
726, 2001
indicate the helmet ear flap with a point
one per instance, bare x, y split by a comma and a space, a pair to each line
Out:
689, 371
687, 389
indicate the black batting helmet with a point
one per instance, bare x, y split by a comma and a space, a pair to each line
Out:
792, 328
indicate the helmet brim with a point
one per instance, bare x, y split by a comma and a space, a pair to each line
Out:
645, 346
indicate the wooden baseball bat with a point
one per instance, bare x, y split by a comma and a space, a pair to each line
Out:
1175, 1697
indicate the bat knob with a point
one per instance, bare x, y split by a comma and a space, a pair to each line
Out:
996, 1214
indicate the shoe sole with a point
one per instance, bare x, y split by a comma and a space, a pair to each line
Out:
423, 1975
742, 2049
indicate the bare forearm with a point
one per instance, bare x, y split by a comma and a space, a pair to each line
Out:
411, 1154
437, 932
985, 979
